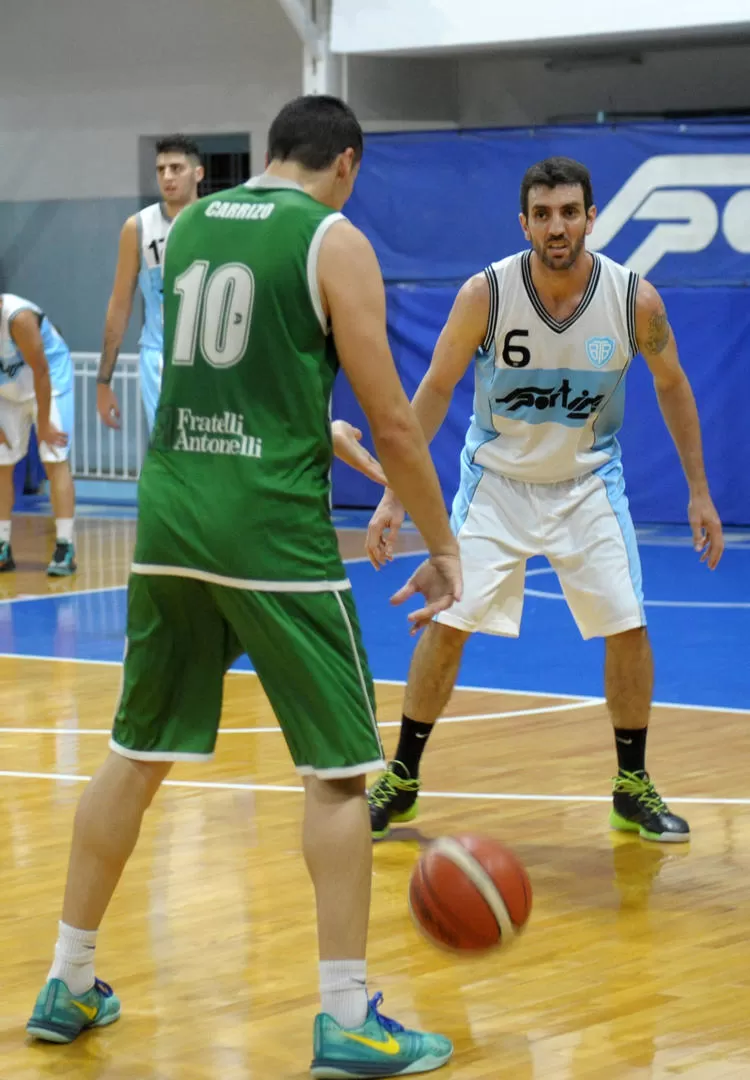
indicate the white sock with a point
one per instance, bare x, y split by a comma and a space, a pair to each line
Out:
74, 959
65, 530
4, 532
343, 991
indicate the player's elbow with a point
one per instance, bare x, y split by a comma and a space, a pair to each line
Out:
671, 381
118, 312
395, 430
438, 384
39, 369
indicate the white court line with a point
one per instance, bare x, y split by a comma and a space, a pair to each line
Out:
568, 707
656, 603
27, 598
69, 660
277, 730
588, 699
494, 796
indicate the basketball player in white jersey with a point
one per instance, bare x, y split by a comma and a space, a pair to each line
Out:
552, 332
139, 262
36, 387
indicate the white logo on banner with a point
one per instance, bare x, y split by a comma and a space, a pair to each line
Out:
667, 189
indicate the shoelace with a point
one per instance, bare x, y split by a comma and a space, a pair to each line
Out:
391, 1026
642, 789
389, 785
383, 790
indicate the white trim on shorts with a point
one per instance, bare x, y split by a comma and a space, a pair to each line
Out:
446, 618
360, 672
635, 622
247, 584
343, 773
155, 755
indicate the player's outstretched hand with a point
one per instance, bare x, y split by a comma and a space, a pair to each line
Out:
708, 536
107, 405
383, 529
439, 581
346, 446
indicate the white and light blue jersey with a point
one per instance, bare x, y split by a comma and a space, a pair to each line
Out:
153, 229
16, 377
549, 395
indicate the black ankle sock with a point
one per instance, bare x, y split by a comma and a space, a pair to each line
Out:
631, 749
411, 744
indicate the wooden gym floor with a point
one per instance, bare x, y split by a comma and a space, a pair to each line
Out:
635, 963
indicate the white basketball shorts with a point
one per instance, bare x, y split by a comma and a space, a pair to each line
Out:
16, 418
582, 526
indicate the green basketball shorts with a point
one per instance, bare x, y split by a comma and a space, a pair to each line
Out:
182, 636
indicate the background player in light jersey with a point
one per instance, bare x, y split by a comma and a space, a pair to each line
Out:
267, 287
552, 332
36, 387
139, 262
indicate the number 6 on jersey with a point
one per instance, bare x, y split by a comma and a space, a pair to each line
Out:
221, 309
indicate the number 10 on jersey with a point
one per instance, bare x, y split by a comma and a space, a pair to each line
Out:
214, 314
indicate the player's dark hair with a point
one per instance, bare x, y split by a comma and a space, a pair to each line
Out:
179, 144
553, 172
313, 130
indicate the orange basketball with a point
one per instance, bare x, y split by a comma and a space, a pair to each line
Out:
469, 893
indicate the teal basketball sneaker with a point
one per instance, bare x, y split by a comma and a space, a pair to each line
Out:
60, 1016
380, 1048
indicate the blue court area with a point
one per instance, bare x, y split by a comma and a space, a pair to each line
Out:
699, 623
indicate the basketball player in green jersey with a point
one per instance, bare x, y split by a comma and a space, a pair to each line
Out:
266, 288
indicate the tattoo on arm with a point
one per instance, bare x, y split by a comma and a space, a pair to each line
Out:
110, 352
657, 336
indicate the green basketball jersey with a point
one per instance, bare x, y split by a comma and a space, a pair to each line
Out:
236, 482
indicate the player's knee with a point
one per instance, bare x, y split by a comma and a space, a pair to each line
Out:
447, 641
57, 470
155, 774
143, 778
332, 790
627, 641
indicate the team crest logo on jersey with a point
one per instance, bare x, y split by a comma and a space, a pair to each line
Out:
600, 350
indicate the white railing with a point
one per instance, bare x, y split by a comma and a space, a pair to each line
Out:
100, 452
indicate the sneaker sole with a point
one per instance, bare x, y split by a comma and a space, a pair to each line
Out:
67, 572
621, 824
398, 819
425, 1064
54, 1034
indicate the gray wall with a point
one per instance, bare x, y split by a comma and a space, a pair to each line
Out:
504, 89
397, 92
